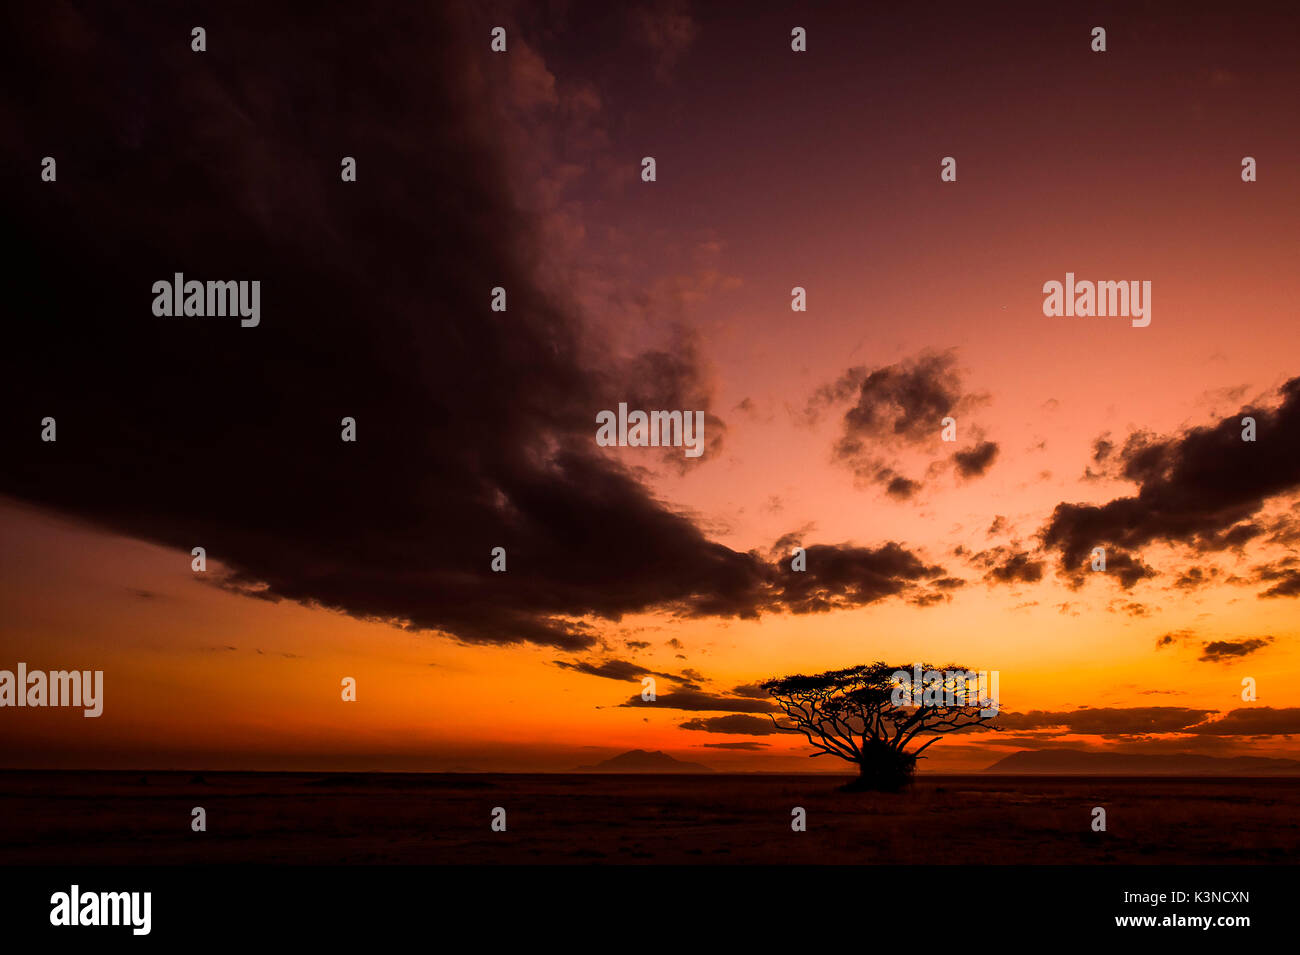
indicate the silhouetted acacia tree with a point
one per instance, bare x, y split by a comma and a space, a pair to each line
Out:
869, 716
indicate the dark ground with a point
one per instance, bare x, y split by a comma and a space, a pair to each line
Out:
78, 818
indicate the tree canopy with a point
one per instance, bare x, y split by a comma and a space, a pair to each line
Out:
872, 713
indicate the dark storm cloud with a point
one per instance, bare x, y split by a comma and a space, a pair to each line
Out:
1108, 721
898, 486
1253, 721
1169, 639
1289, 586
1282, 577
1285, 529
1219, 650
901, 402
1135, 721
1102, 449
1200, 487
699, 700
845, 576
1127, 568
895, 407
1234, 537
624, 670
1122, 567
737, 723
975, 462
1195, 577
475, 428
1130, 607
1009, 565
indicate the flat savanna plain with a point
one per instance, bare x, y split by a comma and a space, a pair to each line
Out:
114, 818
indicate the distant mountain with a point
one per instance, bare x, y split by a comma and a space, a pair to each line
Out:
640, 761
1075, 761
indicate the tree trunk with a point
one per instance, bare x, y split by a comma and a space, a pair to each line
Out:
883, 769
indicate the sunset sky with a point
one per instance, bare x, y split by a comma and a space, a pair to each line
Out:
476, 429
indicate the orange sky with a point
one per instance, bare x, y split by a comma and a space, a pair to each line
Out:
775, 170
